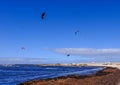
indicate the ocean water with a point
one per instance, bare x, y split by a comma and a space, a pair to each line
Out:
15, 74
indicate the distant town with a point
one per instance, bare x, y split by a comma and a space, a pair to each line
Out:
111, 64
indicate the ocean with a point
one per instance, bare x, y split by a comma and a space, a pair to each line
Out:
15, 74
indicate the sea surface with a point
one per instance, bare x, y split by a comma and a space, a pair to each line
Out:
15, 74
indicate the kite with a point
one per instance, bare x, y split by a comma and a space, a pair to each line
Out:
43, 15
23, 48
68, 55
76, 32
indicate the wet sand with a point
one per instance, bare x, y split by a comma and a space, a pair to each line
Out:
107, 76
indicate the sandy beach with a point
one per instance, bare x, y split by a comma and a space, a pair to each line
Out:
107, 76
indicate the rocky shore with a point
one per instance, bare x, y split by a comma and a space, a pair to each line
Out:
107, 76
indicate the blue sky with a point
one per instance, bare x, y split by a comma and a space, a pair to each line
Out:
20, 25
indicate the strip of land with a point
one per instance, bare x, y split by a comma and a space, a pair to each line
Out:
107, 76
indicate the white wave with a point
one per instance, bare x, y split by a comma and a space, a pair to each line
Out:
84, 72
51, 68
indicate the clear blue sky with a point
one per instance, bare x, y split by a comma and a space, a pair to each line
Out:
21, 25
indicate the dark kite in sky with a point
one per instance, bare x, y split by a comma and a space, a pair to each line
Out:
68, 55
76, 32
43, 15
23, 48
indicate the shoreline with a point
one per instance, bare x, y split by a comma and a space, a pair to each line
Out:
107, 76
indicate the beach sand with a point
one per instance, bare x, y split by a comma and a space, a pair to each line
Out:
107, 76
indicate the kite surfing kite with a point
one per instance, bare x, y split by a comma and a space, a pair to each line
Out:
23, 48
43, 15
76, 32
68, 55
